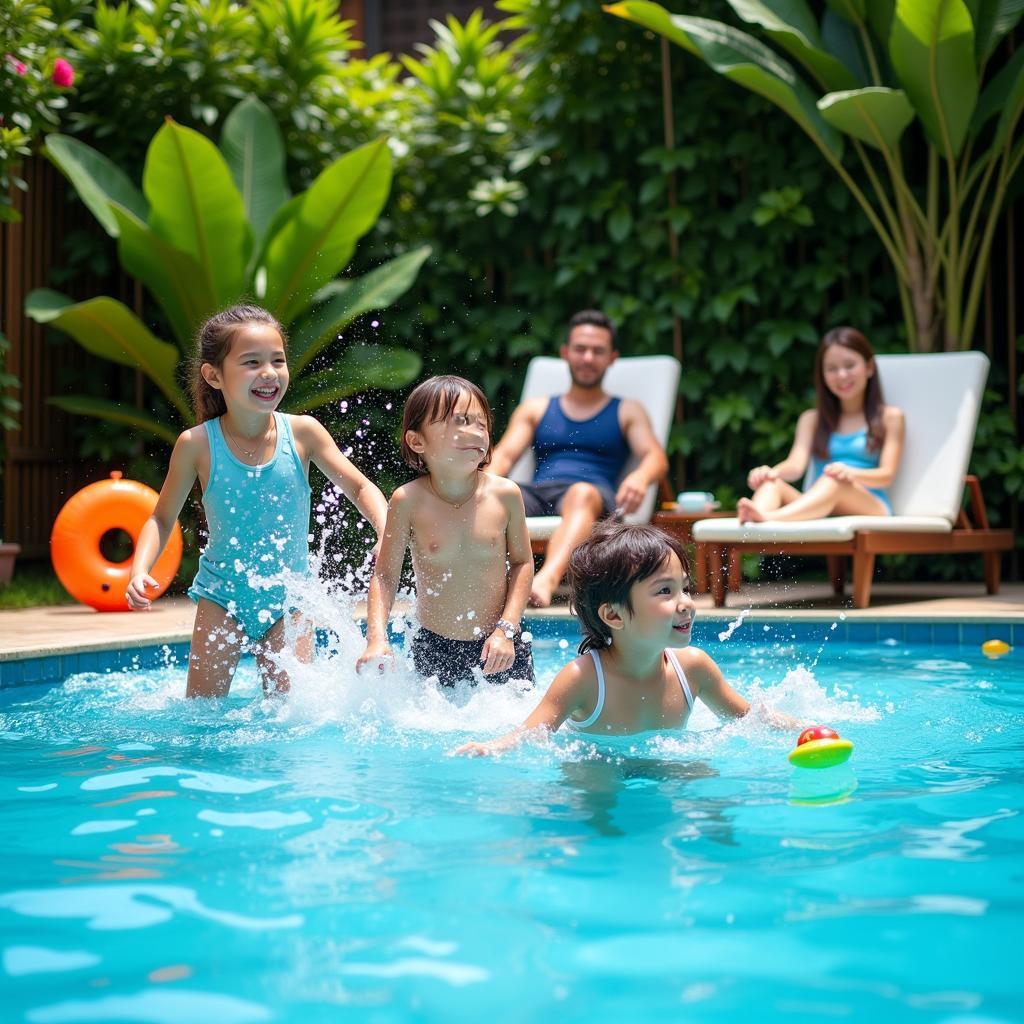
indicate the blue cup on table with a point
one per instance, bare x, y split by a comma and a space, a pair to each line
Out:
696, 502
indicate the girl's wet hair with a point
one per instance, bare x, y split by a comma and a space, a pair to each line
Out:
603, 569
213, 342
433, 400
828, 405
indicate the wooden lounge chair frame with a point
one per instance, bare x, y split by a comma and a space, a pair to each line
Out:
972, 535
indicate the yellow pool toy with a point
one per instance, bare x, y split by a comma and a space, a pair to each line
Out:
995, 648
820, 747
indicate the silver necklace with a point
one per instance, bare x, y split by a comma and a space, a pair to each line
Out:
245, 451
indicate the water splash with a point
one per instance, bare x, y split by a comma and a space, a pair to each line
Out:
734, 625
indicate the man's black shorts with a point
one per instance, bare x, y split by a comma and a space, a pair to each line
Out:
545, 499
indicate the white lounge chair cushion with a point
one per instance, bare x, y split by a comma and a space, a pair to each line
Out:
541, 527
651, 380
833, 528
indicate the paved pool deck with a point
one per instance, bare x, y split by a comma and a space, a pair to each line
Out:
34, 632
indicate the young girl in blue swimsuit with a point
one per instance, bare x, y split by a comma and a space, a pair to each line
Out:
853, 437
252, 463
636, 671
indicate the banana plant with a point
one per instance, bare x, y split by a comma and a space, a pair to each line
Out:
212, 226
889, 81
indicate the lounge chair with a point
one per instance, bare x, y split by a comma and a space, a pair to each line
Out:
652, 380
941, 396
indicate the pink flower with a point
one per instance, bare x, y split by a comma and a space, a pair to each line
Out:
63, 74
19, 67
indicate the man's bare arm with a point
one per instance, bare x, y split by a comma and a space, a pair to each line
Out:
644, 445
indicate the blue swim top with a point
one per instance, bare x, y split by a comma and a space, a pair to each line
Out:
258, 521
593, 450
852, 450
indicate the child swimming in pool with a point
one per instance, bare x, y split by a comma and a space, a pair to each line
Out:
470, 547
636, 670
854, 438
252, 463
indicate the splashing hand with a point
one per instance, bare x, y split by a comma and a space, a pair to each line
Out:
378, 655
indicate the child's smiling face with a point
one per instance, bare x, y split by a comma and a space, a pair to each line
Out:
663, 609
461, 440
846, 372
254, 373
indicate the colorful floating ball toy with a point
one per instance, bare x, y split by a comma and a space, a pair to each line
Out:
995, 648
820, 747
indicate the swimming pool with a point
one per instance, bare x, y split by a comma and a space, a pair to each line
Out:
325, 859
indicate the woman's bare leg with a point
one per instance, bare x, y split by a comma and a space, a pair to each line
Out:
275, 678
213, 656
771, 495
826, 497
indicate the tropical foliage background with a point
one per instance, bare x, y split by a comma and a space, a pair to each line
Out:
570, 160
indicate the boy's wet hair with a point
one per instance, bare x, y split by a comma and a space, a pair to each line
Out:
213, 342
433, 400
603, 569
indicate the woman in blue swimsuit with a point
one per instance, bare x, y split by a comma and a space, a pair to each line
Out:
852, 439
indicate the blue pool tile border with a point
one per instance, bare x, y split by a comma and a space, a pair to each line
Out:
35, 670
53, 668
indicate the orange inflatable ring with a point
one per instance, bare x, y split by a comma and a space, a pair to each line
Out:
113, 504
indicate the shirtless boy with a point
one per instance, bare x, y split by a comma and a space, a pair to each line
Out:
470, 546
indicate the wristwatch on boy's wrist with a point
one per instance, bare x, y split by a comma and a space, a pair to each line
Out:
510, 630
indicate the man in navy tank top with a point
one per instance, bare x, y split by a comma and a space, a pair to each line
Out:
582, 440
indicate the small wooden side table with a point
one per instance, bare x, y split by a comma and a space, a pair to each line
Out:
680, 525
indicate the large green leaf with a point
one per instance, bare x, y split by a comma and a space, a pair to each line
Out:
172, 276
880, 14
195, 206
316, 242
853, 11
740, 58
846, 43
359, 369
875, 116
375, 290
97, 180
993, 19
932, 50
1003, 95
791, 24
254, 150
108, 328
116, 412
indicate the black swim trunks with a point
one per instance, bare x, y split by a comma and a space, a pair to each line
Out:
545, 499
454, 660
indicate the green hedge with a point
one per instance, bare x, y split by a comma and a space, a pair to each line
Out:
534, 164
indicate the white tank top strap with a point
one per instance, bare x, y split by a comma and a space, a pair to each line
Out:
682, 676
599, 706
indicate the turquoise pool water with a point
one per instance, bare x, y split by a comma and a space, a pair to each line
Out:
327, 860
